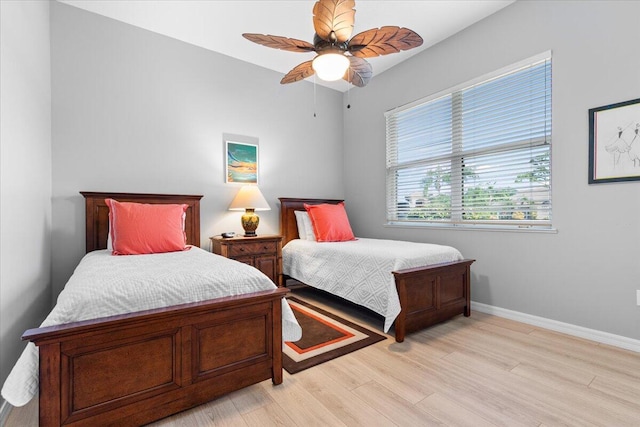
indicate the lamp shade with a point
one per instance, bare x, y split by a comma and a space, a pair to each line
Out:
330, 66
249, 197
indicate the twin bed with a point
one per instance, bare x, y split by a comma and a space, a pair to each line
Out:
135, 367
412, 284
101, 361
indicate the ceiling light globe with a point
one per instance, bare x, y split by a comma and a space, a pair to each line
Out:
330, 66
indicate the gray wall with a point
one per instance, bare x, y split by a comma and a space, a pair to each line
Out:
25, 174
586, 274
135, 111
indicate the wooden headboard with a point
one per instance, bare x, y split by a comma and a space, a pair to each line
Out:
288, 225
97, 214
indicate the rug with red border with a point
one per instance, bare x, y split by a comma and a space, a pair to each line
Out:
325, 336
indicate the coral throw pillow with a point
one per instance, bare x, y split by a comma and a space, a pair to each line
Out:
139, 228
330, 222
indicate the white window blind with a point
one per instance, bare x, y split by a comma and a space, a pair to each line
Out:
476, 154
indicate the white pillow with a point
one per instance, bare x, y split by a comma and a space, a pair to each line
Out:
302, 230
305, 229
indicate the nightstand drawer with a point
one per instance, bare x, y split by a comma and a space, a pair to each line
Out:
261, 252
253, 248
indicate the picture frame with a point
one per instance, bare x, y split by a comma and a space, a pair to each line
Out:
241, 162
614, 142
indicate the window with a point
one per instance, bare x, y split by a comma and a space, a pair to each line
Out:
478, 154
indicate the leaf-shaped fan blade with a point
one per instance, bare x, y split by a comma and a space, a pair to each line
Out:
334, 15
359, 72
279, 42
383, 41
301, 71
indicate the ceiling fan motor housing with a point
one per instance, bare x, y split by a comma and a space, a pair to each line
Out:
322, 45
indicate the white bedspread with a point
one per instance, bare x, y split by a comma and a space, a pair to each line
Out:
360, 270
104, 285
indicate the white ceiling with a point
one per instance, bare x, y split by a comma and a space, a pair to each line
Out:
218, 25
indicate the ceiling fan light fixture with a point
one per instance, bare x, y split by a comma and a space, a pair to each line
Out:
330, 66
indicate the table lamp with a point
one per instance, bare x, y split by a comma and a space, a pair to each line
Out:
249, 199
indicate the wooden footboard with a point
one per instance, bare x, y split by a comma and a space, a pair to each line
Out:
432, 294
136, 368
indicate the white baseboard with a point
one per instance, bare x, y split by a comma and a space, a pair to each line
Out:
565, 328
5, 408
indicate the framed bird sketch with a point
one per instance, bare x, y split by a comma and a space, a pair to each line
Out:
614, 142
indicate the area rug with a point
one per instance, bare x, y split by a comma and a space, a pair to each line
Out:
325, 336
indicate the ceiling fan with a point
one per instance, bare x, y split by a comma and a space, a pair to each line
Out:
338, 56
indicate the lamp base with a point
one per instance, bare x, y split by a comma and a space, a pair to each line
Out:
250, 222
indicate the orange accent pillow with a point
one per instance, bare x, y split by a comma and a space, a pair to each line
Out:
139, 228
330, 222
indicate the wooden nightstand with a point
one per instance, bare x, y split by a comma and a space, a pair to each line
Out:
261, 252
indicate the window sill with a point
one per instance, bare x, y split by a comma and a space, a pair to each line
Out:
474, 227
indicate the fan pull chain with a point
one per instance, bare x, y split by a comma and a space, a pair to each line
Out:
314, 95
348, 93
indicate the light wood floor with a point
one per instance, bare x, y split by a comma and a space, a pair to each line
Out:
477, 371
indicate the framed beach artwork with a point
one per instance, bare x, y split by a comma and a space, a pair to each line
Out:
241, 162
614, 142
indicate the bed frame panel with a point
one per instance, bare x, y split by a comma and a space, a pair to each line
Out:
428, 295
135, 368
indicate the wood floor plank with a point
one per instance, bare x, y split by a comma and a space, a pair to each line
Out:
597, 402
561, 401
222, 412
622, 359
545, 368
218, 413
458, 340
592, 359
625, 389
300, 405
496, 348
451, 412
503, 352
527, 348
250, 398
270, 415
396, 373
493, 402
503, 322
397, 409
476, 391
491, 407
344, 404
507, 387
346, 372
